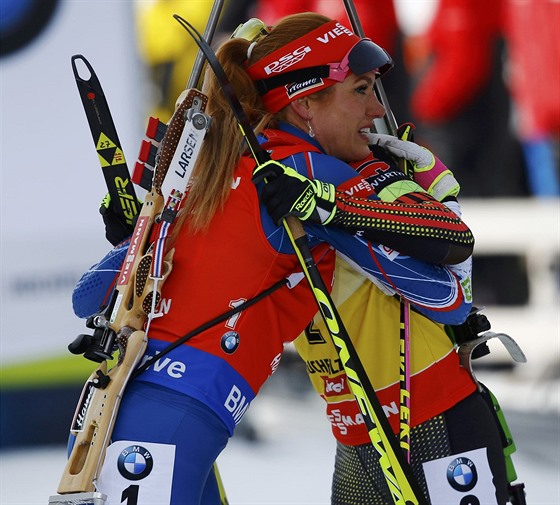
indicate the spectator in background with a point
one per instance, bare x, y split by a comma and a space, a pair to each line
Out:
468, 120
460, 103
167, 51
533, 49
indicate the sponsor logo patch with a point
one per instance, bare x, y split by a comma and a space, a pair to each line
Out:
335, 386
296, 88
287, 60
230, 342
135, 462
462, 475
83, 407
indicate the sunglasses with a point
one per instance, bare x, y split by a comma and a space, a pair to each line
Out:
252, 30
362, 58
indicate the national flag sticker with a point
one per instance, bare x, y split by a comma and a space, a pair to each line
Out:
461, 479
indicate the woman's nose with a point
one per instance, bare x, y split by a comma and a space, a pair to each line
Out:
375, 108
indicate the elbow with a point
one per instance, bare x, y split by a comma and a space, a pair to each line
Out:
457, 254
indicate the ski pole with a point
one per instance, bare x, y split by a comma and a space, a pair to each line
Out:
389, 123
403, 487
211, 25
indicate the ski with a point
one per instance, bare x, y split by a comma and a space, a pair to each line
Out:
106, 140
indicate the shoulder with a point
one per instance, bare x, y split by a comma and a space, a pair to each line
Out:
309, 160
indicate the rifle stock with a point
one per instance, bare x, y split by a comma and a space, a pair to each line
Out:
134, 300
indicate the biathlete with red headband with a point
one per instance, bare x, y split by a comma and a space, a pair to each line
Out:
306, 85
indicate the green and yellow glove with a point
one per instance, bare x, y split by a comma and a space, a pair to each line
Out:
288, 193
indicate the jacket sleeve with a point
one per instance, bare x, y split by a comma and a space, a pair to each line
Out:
441, 292
384, 206
414, 224
95, 286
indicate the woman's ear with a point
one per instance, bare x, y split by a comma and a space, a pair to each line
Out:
301, 107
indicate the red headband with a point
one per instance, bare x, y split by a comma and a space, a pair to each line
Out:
330, 42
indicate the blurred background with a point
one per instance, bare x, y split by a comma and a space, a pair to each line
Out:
479, 79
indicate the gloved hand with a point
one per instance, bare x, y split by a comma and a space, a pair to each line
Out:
385, 177
288, 193
429, 171
116, 228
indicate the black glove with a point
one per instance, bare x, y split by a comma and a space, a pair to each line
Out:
470, 329
288, 193
116, 228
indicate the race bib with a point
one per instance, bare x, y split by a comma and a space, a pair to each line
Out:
463, 479
137, 473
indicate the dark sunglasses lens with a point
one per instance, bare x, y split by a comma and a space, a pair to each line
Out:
367, 56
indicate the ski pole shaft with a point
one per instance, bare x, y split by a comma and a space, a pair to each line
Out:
208, 35
389, 119
390, 125
402, 485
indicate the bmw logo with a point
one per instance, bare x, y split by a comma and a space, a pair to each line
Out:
462, 475
135, 462
230, 342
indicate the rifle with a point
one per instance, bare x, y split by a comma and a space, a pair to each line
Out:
123, 325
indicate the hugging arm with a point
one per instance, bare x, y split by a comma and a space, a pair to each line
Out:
391, 209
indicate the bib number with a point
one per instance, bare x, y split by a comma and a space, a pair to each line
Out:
462, 479
137, 473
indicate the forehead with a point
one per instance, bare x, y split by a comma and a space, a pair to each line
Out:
342, 90
353, 79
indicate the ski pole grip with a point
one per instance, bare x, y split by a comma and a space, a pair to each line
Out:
295, 226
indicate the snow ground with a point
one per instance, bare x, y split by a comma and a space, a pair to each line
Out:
290, 462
